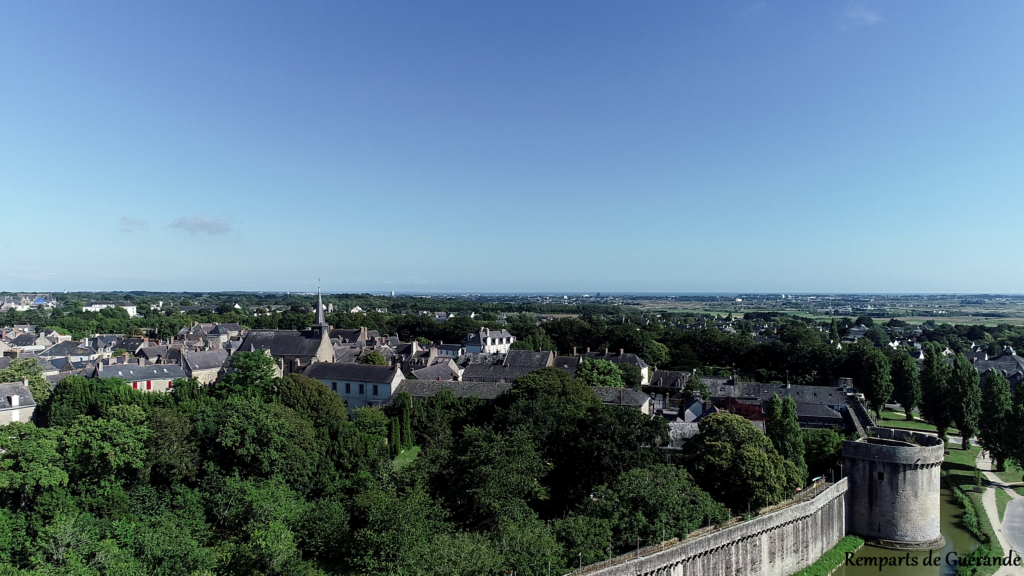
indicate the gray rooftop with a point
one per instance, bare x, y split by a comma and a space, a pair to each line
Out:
136, 373
427, 389
282, 342
15, 389
350, 372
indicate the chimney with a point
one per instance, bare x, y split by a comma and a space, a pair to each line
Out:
622, 351
588, 349
142, 360
606, 352
573, 350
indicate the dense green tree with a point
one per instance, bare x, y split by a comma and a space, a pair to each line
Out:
736, 463
248, 373
599, 373
373, 357
996, 426
906, 380
395, 437
695, 386
876, 334
936, 404
654, 504
783, 429
28, 368
395, 531
965, 398
632, 376
823, 451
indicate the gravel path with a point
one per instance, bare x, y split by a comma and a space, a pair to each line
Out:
1011, 533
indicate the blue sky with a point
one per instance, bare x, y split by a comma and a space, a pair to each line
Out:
512, 146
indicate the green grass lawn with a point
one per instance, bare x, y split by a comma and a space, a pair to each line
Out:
897, 419
1011, 475
1001, 499
958, 470
405, 457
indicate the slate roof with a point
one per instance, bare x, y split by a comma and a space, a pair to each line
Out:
479, 358
25, 340
669, 378
347, 353
567, 363
136, 373
210, 360
68, 348
529, 358
436, 372
450, 347
350, 372
18, 389
620, 396
226, 329
151, 353
132, 345
617, 358
829, 395
282, 342
804, 410
495, 372
347, 335
428, 389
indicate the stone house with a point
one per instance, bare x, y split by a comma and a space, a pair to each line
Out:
488, 341
206, 367
358, 384
16, 403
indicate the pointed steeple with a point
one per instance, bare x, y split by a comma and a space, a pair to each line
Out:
320, 320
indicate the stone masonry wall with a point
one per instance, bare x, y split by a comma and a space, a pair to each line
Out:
775, 544
894, 488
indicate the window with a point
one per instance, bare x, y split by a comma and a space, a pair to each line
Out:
15, 415
334, 386
374, 389
348, 387
362, 389
881, 475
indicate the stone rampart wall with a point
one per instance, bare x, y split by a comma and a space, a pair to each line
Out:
894, 488
775, 544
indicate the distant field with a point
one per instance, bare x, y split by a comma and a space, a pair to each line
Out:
1014, 315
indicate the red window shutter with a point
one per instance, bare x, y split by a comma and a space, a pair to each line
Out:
149, 384
170, 384
135, 385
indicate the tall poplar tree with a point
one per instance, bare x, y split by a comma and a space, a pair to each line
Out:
906, 380
996, 427
935, 401
873, 378
965, 397
783, 429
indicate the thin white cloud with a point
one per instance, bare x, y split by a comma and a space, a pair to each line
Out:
202, 225
864, 16
130, 224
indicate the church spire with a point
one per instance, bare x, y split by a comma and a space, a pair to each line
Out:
320, 320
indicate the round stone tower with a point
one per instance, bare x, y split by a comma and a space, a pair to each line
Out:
893, 496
